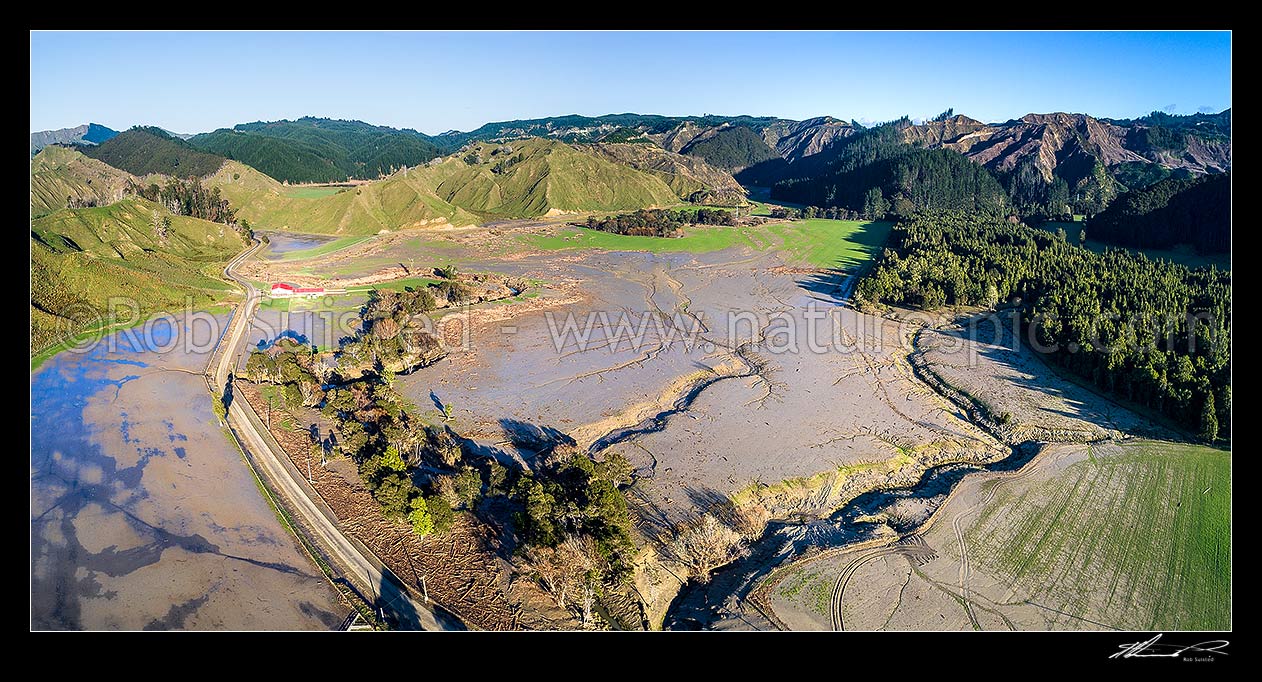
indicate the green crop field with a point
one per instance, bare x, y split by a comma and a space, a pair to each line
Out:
832, 243
1138, 537
1184, 255
819, 243
312, 192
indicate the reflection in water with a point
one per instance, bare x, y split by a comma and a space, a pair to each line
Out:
281, 243
142, 514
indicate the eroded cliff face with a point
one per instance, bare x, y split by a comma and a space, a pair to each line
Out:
1052, 139
796, 139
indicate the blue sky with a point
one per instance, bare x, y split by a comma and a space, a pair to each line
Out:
194, 82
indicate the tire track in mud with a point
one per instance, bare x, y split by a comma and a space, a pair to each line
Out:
912, 547
957, 525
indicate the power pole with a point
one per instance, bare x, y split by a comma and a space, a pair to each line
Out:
424, 590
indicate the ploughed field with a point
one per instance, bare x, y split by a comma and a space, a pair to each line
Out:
1132, 536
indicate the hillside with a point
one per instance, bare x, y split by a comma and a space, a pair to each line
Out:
88, 133
575, 128
875, 173
320, 149
286, 160
732, 148
141, 151
1055, 164
1194, 211
724, 141
80, 258
62, 177
536, 176
794, 140
691, 178
485, 181
397, 202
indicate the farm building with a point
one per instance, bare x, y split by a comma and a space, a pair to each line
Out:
286, 290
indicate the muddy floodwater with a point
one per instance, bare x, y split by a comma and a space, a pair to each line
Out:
143, 513
282, 243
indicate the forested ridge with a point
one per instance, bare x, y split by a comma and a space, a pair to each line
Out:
732, 148
1194, 211
145, 150
319, 149
1149, 331
875, 173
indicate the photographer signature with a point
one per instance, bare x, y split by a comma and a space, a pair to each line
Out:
1153, 648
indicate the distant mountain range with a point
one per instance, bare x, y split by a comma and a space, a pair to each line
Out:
1046, 164
88, 133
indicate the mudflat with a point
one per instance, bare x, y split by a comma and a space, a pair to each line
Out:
146, 517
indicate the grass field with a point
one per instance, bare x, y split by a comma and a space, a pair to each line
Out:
86, 261
322, 249
1184, 255
1139, 538
314, 192
269, 303
819, 243
400, 284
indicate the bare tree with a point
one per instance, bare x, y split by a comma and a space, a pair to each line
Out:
161, 224
586, 573
547, 566
572, 573
704, 544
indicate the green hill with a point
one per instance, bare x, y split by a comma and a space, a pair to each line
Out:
81, 258
289, 160
397, 202
61, 177
535, 176
733, 148
319, 149
690, 177
526, 178
141, 151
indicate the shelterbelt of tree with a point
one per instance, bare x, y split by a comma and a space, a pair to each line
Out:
1152, 332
